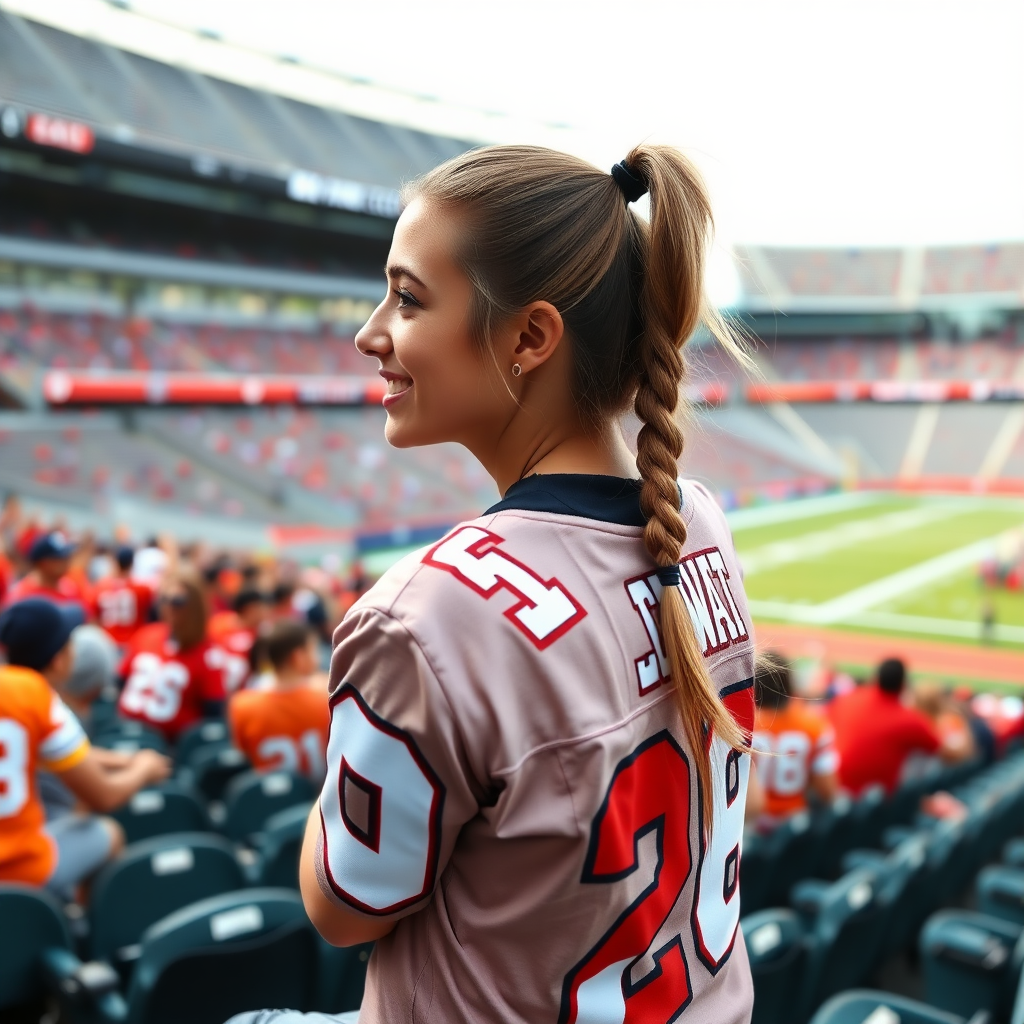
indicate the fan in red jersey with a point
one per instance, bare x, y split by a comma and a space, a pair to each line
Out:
120, 604
236, 631
50, 556
174, 676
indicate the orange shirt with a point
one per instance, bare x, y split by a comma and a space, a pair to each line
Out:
121, 606
792, 744
282, 728
35, 729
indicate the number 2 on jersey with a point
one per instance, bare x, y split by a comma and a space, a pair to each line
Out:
650, 793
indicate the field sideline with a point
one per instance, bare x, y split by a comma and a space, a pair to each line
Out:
889, 564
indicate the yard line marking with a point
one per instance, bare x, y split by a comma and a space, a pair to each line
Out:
803, 508
861, 599
1003, 443
895, 622
811, 545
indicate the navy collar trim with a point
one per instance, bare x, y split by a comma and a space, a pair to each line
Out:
607, 499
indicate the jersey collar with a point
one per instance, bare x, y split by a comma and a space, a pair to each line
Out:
608, 499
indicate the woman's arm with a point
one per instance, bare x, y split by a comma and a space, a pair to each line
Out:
338, 926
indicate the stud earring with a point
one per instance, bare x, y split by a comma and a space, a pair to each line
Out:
516, 369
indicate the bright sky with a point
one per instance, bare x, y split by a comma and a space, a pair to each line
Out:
816, 121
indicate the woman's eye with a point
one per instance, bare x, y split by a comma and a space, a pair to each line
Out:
405, 299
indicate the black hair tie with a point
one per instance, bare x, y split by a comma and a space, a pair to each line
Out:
627, 180
670, 576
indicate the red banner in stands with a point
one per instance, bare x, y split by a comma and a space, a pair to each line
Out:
65, 388
55, 131
886, 391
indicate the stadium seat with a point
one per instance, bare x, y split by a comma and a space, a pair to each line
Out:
342, 977
863, 1006
251, 798
169, 807
1013, 853
776, 949
755, 872
152, 879
238, 951
970, 961
202, 734
836, 827
1000, 891
844, 921
212, 768
126, 735
279, 844
32, 924
869, 817
794, 851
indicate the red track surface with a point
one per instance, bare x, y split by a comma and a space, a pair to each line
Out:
923, 657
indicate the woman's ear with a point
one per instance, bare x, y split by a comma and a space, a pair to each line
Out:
538, 331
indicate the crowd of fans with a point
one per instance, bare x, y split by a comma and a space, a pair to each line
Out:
177, 635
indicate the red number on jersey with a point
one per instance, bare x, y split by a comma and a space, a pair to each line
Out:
545, 611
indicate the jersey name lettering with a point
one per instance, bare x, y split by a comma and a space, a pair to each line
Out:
708, 599
545, 610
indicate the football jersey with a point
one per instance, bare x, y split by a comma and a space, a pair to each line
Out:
508, 774
792, 744
67, 591
121, 606
36, 730
235, 639
282, 729
166, 687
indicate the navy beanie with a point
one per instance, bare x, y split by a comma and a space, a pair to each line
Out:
34, 630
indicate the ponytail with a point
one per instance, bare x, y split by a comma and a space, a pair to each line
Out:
672, 304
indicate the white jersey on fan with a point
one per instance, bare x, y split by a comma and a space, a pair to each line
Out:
508, 774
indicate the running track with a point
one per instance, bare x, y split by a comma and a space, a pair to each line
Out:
924, 657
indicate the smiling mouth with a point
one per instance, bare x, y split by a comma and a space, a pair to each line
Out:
397, 385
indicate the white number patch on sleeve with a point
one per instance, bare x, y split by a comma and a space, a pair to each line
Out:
380, 809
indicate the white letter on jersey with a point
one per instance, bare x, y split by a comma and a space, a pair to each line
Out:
380, 809
546, 610
652, 668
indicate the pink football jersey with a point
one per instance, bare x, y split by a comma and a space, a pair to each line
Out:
509, 777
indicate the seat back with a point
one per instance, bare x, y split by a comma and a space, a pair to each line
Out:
846, 937
342, 977
128, 736
213, 767
863, 1006
150, 880
170, 807
280, 844
1001, 892
969, 961
239, 951
32, 921
776, 949
251, 798
202, 734
836, 827
795, 850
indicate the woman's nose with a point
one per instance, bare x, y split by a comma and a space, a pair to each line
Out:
372, 338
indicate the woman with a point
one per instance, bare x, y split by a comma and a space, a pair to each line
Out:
174, 676
522, 805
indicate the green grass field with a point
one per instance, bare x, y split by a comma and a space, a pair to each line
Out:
881, 562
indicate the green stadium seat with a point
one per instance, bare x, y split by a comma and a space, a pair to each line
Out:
212, 768
863, 1006
169, 807
152, 879
777, 953
251, 798
1013, 853
32, 924
342, 977
235, 952
279, 844
794, 851
970, 962
202, 734
1000, 892
127, 735
755, 872
836, 827
845, 933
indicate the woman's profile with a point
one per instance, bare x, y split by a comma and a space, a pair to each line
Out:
536, 766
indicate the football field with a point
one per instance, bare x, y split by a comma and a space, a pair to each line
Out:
900, 566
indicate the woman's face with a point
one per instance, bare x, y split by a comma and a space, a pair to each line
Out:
441, 386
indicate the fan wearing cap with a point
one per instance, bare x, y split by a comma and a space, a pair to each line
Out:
38, 730
120, 604
50, 557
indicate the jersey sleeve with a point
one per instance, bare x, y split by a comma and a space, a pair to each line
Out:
398, 788
64, 744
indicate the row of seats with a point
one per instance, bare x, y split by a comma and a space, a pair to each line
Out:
835, 934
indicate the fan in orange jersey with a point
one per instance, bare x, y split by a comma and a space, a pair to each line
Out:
120, 604
793, 745
37, 730
285, 725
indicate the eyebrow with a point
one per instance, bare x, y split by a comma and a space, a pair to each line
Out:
398, 271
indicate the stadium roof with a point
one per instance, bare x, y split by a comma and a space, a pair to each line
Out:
127, 100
